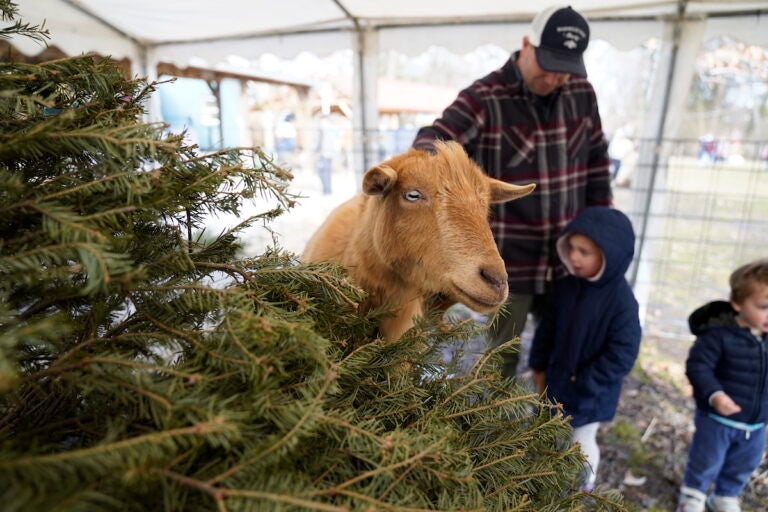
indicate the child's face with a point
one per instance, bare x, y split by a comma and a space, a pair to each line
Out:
753, 311
584, 255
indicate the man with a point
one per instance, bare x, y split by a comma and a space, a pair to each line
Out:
533, 120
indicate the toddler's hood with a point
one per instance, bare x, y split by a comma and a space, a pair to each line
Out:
718, 313
611, 230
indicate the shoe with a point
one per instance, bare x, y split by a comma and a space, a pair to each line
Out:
723, 504
588, 480
690, 500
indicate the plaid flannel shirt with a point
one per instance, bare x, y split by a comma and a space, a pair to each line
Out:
502, 128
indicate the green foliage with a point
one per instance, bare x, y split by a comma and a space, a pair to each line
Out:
9, 11
144, 365
626, 434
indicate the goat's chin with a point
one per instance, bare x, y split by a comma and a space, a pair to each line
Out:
483, 300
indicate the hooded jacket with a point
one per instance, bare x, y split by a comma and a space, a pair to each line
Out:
589, 337
728, 357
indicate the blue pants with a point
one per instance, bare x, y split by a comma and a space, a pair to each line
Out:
324, 169
723, 455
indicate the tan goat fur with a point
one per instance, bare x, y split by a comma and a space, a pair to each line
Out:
419, 228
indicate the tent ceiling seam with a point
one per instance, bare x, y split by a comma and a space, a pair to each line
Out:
254, 35
389, 25
354, 19
75, 4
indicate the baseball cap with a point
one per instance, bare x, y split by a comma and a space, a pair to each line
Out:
560, 36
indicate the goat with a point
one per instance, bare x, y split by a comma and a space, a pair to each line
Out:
419, 228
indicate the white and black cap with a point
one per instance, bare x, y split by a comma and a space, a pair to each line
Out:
560, 35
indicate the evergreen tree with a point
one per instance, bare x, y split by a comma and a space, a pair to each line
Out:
146, 365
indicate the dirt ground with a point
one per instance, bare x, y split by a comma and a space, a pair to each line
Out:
643, 451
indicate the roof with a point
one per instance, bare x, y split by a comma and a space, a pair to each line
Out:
178, 29
222, 71
400, 96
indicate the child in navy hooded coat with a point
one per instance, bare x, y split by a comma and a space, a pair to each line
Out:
728, 369
589, 336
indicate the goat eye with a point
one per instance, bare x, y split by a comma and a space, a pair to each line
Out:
413, 195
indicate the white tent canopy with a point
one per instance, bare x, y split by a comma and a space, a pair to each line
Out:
175, 28
177, 31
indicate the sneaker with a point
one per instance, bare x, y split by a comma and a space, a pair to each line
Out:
723, 504
588, 480
690, 500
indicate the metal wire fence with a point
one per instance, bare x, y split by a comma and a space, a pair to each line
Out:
699, 208
700, 211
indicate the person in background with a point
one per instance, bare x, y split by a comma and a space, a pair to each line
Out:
728, 369
588, 338
620, 148
533, 120
327, 150
285, 140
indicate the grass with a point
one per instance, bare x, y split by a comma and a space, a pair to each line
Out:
706, 220
628, 435
665, 362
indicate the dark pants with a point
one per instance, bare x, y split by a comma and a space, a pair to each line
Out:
723, 455
616, 165
324, 169
510, 324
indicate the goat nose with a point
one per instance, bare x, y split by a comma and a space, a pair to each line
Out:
497, 278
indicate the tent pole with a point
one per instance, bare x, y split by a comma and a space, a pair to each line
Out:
361, 84
147, 68
676, 38
215, 86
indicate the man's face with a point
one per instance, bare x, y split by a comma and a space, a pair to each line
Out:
537, 80
753, 311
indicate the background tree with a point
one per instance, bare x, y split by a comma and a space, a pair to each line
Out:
145, 365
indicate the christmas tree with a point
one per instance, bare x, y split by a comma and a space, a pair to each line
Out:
146, 364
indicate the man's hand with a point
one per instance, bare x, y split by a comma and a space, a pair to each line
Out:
724, 404
540, 379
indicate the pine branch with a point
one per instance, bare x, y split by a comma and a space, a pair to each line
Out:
8, 12
109, 455
142, 361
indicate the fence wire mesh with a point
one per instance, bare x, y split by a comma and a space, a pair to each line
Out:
699, 208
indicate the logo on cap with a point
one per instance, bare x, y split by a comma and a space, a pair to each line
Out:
572, 35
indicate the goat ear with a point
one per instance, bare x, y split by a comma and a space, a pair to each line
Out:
502, 192
379, 180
